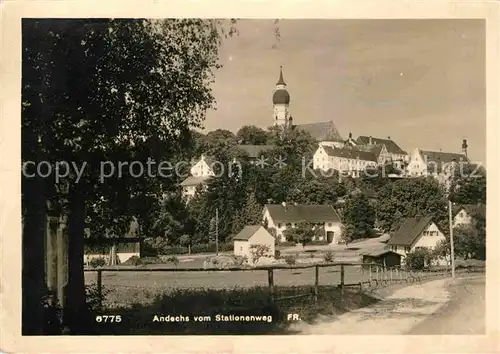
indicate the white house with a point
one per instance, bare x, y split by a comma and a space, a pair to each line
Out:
250, 237
201, 171
415, 233
345, 160
464, 214
280, 217
434, 163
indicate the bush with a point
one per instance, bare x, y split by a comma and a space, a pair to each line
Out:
328, 257
52, 312
318, 243
134, 260
173, 259
94, 299
277, 254
97, 262
418, 259
291, 259
240, 260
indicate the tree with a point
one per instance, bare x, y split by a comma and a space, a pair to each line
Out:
468, 185
419, 259
410, 197
100, 91
259, 251
358, 218
252, 135
303, 233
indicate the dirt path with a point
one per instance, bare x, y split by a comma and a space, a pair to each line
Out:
464, 314
396, 314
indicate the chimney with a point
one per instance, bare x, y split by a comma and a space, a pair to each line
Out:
370, 141
464, 147
350, 135
389, 137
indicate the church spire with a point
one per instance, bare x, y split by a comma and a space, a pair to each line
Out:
280, 80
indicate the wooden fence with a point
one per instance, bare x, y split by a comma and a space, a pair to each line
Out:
370, 275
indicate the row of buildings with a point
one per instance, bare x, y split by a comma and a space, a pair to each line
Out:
414, 233
348, 156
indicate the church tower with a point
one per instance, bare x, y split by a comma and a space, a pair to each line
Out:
281, 102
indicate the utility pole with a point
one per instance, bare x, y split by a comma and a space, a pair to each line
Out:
217, 231
452, 246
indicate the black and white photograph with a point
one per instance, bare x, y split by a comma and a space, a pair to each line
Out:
235, 176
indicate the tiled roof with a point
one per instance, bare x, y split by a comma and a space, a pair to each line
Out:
254, 151
378, 252
409, 231
390, 145
349, 153
321, 131
302, 212
247, 232
443, 157
374, 149
194, 181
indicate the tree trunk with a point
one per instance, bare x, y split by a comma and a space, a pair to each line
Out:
189, 249
76, 314
33, 257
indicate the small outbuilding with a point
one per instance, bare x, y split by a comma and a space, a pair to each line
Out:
384, 257
250, 237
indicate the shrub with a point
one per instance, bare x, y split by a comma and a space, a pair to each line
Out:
174, 260
259, 251
94, 299
134, 260
97, 262
277, 254
328, 257
318, 243
185, 241
52, 312
291, 259
240, 260
418, 259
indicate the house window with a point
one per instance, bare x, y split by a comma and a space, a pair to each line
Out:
407, 249
329, 224
288, 225
279, 225
241, 248
394, 248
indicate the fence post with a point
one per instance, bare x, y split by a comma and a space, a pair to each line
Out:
370, 275
99, 287
377, 273
270, 280
390, 270
362, 277
316, 283
342, 276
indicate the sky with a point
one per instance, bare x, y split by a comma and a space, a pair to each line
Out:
421, 82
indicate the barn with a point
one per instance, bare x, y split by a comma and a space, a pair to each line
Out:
383, 257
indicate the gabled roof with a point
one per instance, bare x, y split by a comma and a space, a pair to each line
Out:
302, 212
194, 181
379, 252
349, 153
374, 149
321, 131
247, 232
409, 231
390, 145
254, 151
472, 209
444, 157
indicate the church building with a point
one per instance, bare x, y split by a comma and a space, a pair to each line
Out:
325, 132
